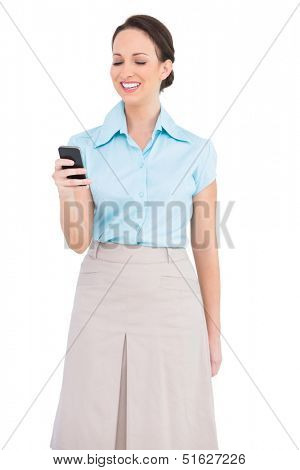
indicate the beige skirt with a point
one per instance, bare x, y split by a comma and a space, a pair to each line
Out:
137, 371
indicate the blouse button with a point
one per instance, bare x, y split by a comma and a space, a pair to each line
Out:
141, 194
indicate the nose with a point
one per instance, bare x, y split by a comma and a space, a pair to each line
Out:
126, 77
127, 74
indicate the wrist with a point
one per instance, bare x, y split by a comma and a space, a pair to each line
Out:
65, 192
214, 335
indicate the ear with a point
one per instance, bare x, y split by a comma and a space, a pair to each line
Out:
167, 69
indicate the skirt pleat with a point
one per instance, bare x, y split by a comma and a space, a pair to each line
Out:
121, 423
137, 371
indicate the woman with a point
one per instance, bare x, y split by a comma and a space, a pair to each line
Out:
141, 346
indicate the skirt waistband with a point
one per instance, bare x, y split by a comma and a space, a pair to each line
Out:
119, 253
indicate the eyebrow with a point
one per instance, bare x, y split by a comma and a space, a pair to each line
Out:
136, 53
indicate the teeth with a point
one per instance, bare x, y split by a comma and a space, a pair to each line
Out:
131, 85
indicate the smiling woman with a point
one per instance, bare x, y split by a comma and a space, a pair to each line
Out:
141, 346
150, 48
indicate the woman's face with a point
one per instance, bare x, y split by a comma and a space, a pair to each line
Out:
144, 68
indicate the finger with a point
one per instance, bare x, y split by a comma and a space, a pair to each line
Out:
72, 171
76, 182
63, 161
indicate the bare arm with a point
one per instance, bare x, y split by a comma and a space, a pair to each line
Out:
76, 206
205, 252
77, 217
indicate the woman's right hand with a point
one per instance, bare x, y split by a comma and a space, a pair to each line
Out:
65, 184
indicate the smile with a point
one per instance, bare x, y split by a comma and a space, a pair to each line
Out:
130, 87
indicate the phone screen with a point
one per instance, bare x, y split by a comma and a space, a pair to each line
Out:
72, 153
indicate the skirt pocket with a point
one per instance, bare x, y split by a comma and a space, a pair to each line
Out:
179, 283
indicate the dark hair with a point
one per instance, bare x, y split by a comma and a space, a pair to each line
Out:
159, 34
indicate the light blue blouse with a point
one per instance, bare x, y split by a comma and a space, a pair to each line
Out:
144, 196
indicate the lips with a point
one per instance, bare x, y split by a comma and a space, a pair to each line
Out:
130, 89
133, 81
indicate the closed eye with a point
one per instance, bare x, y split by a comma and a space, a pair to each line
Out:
139, 63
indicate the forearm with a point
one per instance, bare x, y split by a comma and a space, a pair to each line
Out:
76, 217
207, 265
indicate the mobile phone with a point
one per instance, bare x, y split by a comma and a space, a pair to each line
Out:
72, 153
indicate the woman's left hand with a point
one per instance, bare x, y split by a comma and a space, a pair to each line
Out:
215, 354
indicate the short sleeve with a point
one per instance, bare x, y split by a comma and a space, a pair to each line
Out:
74, 141
205, 172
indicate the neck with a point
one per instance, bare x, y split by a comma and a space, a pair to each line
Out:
142, 118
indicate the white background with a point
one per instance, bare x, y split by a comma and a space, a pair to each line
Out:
55, 61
